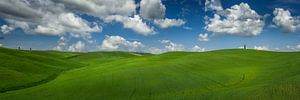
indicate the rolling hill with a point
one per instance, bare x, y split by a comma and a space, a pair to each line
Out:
233, 74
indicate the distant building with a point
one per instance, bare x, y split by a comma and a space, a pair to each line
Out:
245, 46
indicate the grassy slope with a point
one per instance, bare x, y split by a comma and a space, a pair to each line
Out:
21, 69
224, 74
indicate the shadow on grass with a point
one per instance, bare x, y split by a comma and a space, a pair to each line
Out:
32, 84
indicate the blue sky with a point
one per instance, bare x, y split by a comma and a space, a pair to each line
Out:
150, 25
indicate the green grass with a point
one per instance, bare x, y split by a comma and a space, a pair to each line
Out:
223, 74
22, 69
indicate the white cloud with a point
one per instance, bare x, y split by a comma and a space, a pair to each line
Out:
77, 47
59, 17
45, 17
119, 11
214, 5
197, 48
155, 10
293, 47
18, 9
66, 22
166, 23
101, 8
285, 20
238, 20
261, 48
152, 9
5, 29
1, 45
171, 46
154, 50
61, 45
203, 37
19, 24
290, 47
135, 23
120, 43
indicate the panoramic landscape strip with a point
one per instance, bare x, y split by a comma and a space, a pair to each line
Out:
149, 50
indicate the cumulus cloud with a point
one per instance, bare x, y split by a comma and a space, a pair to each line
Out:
293, 47
213, 5
168, 46
171, 46
154, 50
155, 10
135, 23
238, 20
110, 10
77, 47
101, 8
45, 17
285, 20
166, 23
120, 43
61, 44
152, 9
5, 29
197, 48
19, 24
66, 22
261, 48
18, 9
203, 37
61, 17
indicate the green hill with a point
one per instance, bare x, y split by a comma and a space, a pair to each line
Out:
222, 74
21, 69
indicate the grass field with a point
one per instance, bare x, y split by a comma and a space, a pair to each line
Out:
234, 74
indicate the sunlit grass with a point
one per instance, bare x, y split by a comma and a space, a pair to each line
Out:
223, 74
